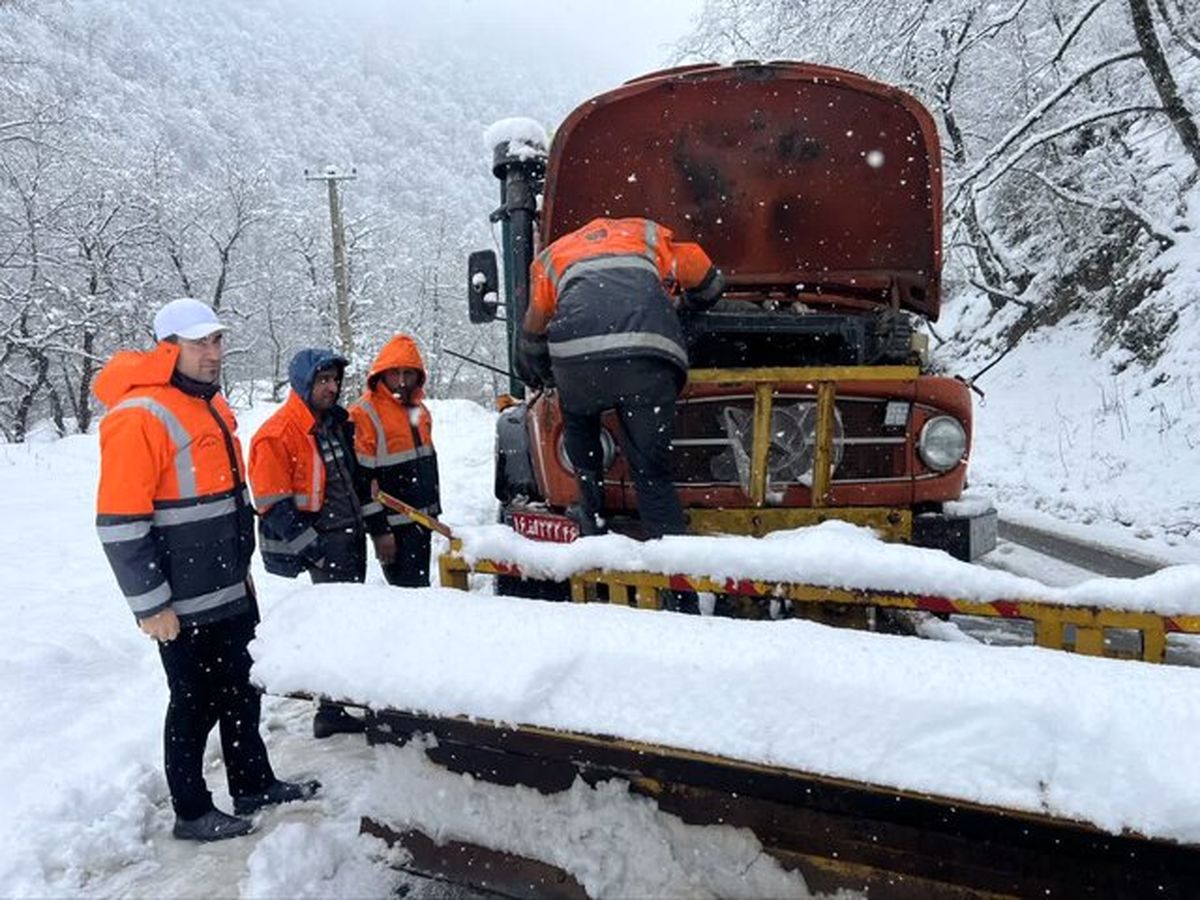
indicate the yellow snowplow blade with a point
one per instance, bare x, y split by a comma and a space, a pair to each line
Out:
1078, 628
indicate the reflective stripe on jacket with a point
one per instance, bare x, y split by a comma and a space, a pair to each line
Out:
601, 292
173, 511
393, 441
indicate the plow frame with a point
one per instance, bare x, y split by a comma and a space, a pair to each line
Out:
892, 843
644, 590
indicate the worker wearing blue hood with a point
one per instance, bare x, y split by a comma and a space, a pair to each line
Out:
309, 492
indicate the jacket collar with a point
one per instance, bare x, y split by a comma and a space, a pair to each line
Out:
301, 413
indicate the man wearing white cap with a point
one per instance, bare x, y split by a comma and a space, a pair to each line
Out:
175, 519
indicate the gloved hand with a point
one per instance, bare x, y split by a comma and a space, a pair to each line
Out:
706, 293
385, 547
533, 361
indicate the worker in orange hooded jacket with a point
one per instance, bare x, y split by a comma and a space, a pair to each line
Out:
393, 442
175, 520
603, 326
310, 494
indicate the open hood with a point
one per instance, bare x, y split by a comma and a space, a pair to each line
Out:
795, 178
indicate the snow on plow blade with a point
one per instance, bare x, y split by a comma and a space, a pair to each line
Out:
838, 575
912, 768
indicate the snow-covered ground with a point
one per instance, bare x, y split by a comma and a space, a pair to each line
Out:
85, 803
1092, 445
84, 800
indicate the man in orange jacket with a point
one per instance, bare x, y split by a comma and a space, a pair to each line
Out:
393, 440
309, 494
602, 325
174, 516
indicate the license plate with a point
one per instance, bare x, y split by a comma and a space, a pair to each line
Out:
545, 527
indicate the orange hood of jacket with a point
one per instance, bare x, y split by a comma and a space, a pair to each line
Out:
399, 353
129, 369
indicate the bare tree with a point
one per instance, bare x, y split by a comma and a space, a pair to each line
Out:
1163, 79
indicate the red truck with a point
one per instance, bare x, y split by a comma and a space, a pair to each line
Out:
818, 193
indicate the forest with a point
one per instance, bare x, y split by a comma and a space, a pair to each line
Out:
150, 150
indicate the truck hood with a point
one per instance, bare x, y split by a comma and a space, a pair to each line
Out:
797, 179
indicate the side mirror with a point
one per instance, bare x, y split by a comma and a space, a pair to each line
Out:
483, 285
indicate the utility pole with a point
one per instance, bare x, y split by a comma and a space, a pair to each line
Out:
331, 175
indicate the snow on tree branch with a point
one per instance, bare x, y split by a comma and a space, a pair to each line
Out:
1040, 138
1038, 112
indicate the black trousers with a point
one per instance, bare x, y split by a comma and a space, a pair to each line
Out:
643, 393
208, 673
345, 563
345, 557
411, 568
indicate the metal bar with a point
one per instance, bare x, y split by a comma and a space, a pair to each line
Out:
618, 593
891, 523
1049, 619
1089, 641
419, 516
498, 873
647, 597
789, 375
841, 834
823, 459
452, 576
1048, 633
578, 590
1086, 615
761, 447
850, 442
1154, 643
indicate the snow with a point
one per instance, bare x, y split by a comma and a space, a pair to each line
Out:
832, 554
1111, 455
86, 806
1017, 727
525, 137
616, 845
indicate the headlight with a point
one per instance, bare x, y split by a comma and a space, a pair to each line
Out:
942, 443
608, 448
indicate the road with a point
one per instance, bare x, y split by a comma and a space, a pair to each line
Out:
1060, 562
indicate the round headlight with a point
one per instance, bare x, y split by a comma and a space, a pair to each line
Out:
942, 443
607, 446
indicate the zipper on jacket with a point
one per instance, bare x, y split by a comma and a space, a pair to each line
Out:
239, 499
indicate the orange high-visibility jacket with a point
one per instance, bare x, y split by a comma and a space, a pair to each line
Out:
172, 511
393, 441
286, 465
285, 461
603, 291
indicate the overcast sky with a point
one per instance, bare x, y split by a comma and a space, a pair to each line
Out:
615, 39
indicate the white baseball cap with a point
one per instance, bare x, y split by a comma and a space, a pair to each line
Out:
186, 318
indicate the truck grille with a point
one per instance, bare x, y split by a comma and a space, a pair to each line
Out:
712, 441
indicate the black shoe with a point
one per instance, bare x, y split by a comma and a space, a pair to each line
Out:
331, 720
214, 825
279, 792
589, 525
